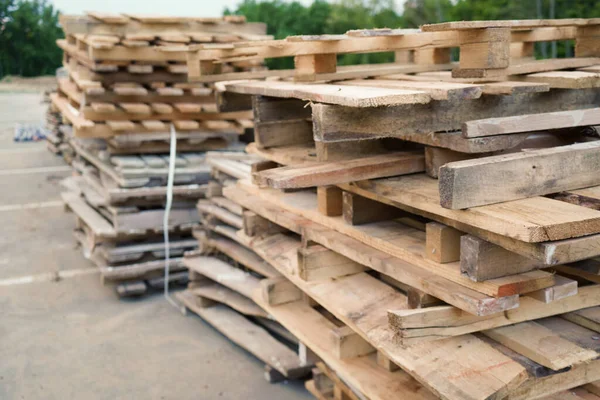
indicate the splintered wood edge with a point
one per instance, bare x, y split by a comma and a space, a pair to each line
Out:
446, 178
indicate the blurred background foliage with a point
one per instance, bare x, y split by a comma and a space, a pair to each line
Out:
29, 28
28, 33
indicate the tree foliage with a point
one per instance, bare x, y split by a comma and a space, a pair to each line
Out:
28, 33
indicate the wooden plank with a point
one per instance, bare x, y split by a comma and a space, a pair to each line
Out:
491, 88
577, 375
578, 334
437, 90
442, 243
565, 79
471, 183
329, 199
330, 173
528, 67
541, 344
243, 256
358, 210
227, 204
252, 338
577, 273
282, 133
223, 273
228, 217
345, 151
230, 298
532, 122
278, 109
588, 318
276, 291
385, 363
419, 299
95, 221
440, 322
484, 48
593, 387
349, 344
563, 287
317, 263
255, 225
436, 157
108, 18
515, 23
481, 260
309, 65
352, 96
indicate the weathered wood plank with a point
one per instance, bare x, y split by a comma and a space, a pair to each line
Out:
472, 183
442, 243
443, 321
481, 260
541, 344
358, 210
563, 287
329, 200
412, 122
253, 338
318, 263
352, 96
331, 173
531, 122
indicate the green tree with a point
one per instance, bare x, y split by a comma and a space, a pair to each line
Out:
28, 40
420, 12
285, 19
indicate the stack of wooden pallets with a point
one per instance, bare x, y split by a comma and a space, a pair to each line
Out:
450, 249
125, 89
225, 272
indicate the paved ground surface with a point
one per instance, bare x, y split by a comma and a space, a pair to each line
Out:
73, 338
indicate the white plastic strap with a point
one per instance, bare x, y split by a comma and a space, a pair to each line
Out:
170, 178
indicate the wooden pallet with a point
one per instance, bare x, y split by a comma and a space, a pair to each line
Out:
485, 47
117, 121
278, 251
308, 265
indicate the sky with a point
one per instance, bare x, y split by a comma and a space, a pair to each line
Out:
196, 8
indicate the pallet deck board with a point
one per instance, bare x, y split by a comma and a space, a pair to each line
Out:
473, 183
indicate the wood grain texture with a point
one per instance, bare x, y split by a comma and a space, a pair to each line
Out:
352, 96
331, 173
472, 183
443, 321
532, 122
541, 344
481, 260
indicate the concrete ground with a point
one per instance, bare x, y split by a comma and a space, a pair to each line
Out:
72, 338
